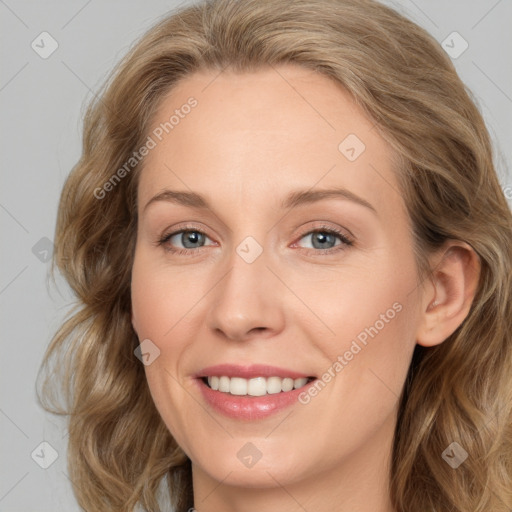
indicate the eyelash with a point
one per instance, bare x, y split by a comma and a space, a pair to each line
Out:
345, 241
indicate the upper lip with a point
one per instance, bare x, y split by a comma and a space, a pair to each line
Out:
249, 372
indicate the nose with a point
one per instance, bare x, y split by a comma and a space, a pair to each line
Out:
247, 302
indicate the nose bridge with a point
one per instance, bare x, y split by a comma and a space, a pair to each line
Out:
246, 297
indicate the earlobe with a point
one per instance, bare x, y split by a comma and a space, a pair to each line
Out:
448, 297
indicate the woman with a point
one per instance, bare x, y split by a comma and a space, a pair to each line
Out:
292, 257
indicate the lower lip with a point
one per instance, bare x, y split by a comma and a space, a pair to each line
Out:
249, 407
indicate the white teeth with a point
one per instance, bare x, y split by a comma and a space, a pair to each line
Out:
238, 386
214, 382
224, 384
287, 384
274, 385
298, 383
257, 386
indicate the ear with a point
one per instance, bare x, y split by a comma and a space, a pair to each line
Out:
448, 297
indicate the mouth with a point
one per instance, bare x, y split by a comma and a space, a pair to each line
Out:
256, 386
251, 392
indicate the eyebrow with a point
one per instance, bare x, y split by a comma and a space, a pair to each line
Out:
293, 200
301, 197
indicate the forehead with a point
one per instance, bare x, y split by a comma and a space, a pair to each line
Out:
254, 135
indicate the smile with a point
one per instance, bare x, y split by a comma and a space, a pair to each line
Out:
249, 393
258, 386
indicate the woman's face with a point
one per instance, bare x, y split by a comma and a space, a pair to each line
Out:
249, 272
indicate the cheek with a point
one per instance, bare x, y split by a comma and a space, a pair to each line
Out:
152, 308
373, 298
159, 312
161, 299
371, 312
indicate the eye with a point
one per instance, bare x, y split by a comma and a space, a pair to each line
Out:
323, 240
184, 240
326, 239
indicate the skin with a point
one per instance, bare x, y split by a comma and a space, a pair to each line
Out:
252, 139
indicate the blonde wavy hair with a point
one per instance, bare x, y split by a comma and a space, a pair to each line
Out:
120, 451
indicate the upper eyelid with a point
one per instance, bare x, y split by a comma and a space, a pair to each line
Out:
177, 230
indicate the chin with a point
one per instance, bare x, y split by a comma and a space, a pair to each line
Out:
240, 463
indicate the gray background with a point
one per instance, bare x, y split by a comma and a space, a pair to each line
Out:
42, 103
